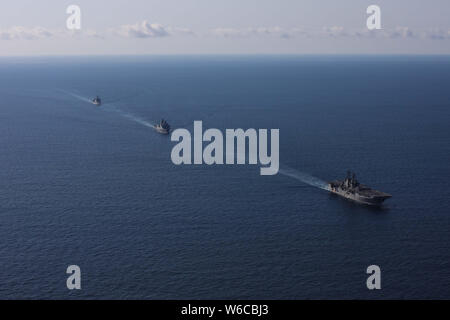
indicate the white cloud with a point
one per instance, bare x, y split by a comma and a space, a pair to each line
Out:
143, 29
146, 29
94, 34
436, 34
257, 31
401, 32
398, 32
19, 32
36, 33
335, 31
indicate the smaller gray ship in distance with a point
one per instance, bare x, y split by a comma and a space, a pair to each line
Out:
97, 101
351, 189
163, 127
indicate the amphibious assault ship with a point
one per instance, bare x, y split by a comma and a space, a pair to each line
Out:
163, 127
351, 189
97, 101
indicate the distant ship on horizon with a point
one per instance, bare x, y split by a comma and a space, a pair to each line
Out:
350, 188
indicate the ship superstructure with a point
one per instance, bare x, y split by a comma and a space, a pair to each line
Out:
97, 101
163, 127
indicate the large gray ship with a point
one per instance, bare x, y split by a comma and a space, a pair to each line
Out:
351, 189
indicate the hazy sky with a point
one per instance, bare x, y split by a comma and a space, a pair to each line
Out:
38, 27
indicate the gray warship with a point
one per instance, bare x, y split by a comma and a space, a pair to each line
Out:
351, 189
97, 101
163, 127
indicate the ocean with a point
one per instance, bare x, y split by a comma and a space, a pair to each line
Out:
96, 187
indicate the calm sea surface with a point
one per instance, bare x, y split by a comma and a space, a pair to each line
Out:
96, 187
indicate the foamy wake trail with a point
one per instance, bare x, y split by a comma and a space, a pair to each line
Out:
136, 119
304, 177
73, 94
115, 108
298, 175
129, 116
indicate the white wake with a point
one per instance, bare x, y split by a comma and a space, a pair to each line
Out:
136, 119
73, 94
113, 107
304, 177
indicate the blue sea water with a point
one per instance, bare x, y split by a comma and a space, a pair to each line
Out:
95, 186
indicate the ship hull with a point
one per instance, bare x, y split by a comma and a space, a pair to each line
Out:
361, 193
371, 201
161, 130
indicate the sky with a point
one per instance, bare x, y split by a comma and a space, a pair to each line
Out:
126, 27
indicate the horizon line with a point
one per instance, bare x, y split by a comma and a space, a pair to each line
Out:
223, 54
